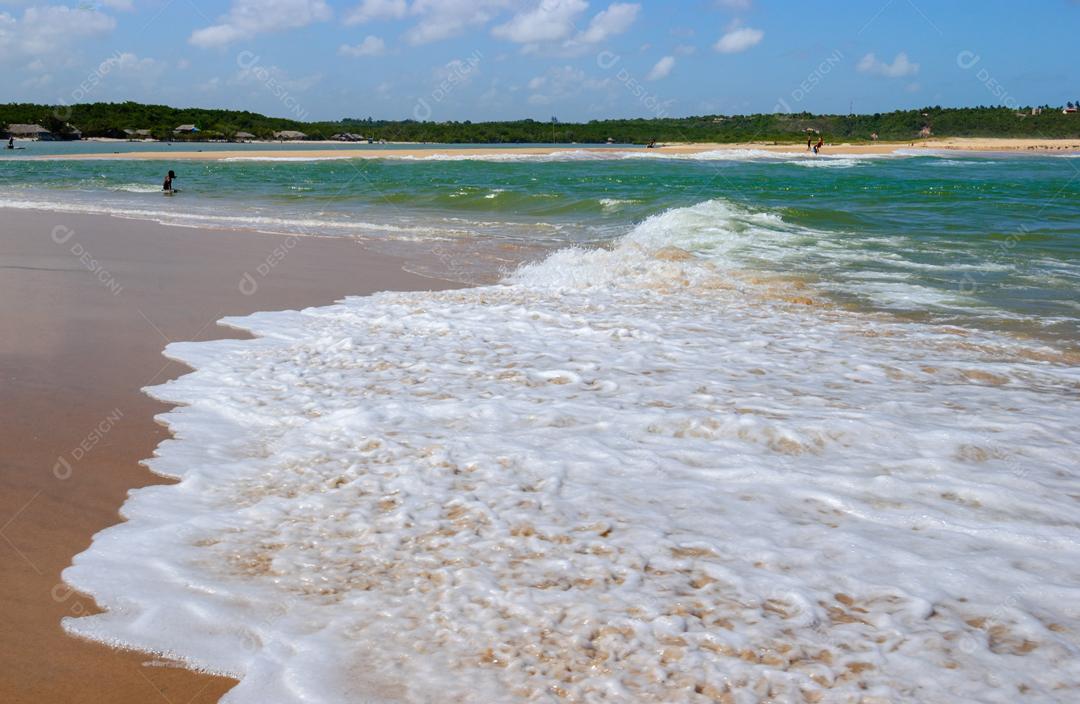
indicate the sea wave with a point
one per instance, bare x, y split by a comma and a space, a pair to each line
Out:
732, 154
615, 204
400, 227
291, 158
639, 473
135, 188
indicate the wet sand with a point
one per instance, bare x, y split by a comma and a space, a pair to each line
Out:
978, 144
86, 305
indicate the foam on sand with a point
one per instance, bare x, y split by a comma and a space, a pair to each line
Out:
632, 474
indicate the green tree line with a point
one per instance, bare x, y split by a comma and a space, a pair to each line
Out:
111, 119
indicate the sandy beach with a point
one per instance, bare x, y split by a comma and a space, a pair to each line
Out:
979, 144
436, 496
440, 352
88, 303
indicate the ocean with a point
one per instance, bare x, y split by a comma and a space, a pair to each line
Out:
987, 240
739, 426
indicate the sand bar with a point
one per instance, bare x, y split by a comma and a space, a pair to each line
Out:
85, 315
979, 144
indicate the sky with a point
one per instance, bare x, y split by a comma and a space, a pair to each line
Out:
574, 60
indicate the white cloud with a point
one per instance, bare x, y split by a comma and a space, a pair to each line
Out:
562, 82
616, 19
735, 4
274, 76
246, 18
369, 10
551, 25
129, 64
551, 20
662, 68
901, 66
371, 46
457, 72
739, 40
685, 49
49, 30
441, 19
41, 81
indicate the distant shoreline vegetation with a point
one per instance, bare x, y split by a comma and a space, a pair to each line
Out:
138, 121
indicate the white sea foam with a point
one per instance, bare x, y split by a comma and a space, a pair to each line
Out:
508, 155
921, 151
400, 229
135, 188
295, 158
833, 162
627, 474
732, 154
612, 205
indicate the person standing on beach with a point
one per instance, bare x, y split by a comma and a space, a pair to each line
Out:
11, 143
819, 145
167, 186
809, 141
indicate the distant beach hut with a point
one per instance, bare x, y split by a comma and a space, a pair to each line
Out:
611, 140
348, 137
138, 134
243, 136
289, 135
186, 129
29, 132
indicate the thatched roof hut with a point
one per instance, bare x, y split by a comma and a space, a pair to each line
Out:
28, 131
289, 134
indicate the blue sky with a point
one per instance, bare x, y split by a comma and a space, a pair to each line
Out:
509, 59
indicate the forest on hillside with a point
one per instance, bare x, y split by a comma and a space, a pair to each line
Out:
111, 119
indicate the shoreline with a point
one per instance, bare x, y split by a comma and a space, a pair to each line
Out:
90, 301
960, 144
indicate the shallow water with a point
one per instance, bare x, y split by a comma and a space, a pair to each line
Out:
741, 430
992, 241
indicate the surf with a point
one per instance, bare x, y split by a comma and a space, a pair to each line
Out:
633, 472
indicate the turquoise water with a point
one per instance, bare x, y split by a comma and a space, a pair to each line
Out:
805, 408
986, 240
31, 149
